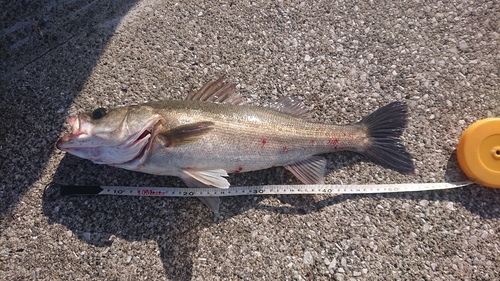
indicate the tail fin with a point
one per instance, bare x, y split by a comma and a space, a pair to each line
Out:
385, 126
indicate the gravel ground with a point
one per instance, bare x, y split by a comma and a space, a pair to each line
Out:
345, 59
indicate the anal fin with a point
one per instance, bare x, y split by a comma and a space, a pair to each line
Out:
310, 170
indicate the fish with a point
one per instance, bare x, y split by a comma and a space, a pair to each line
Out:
213, 133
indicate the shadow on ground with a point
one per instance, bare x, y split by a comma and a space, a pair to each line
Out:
47, 51
175, 223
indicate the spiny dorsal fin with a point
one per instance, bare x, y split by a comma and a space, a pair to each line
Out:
293, 106
310, 170
185, 134
217, 91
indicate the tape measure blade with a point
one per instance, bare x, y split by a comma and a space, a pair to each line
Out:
276, 189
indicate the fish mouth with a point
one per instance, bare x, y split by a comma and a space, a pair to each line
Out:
80, 129
82, 144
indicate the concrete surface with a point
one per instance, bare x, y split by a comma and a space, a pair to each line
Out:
344, 58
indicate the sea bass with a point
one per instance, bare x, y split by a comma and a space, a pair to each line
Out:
212, 133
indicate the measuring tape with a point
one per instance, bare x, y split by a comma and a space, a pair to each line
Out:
256, 190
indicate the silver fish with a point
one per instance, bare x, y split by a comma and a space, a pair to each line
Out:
212, 133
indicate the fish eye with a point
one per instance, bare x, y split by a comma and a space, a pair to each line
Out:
99, 113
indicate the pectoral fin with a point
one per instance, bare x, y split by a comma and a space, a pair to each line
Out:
310, 170
185, 134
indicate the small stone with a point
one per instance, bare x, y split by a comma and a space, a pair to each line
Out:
86, 235
423, 203
433, 266
340, 270
331, 267
426, 228
307, 58
266, 218
462, 45
339, 277
450, 206
363, 76
333, 263
308, 258
473, 240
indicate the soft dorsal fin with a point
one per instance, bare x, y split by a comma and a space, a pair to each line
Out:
217, 91
293, 106
310, 170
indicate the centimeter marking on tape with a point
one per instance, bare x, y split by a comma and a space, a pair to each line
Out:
257, 190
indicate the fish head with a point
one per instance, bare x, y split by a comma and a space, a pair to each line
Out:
111, 137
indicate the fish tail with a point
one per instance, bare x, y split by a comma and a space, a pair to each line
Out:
385, 126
